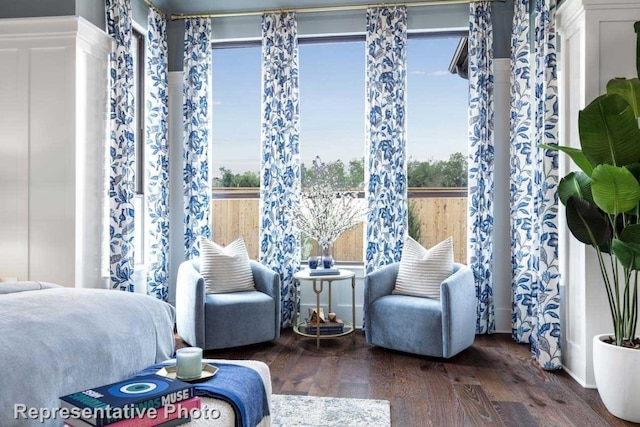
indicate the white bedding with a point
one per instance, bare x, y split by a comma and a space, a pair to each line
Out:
59, 341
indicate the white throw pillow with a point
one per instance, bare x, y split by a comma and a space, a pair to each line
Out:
422, 271
225, 269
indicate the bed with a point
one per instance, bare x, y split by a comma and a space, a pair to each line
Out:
55, 341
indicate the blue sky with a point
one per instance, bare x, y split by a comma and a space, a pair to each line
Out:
332, 103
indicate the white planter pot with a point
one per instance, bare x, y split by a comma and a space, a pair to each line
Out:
617, 375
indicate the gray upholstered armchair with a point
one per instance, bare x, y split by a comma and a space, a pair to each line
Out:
425, 326
215, 321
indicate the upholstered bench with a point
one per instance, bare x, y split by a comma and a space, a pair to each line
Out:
217, 411
227, 416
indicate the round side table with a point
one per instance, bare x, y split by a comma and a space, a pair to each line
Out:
318, 281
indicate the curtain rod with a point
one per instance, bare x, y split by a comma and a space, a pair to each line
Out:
324, 9
156, 8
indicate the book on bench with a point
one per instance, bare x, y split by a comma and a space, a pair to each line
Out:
127, 399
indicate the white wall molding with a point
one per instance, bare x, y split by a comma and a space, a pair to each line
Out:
39, 27
609, 4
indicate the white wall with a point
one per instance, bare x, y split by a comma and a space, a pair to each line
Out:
501, 195
176, 208
52, 131
598, 44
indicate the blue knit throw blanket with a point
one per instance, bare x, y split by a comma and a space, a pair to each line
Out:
237, 385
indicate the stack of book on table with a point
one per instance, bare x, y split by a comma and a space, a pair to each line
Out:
145, 401
327, 326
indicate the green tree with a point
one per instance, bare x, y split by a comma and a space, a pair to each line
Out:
414, 222
229, 179
431, 173
336, 169
419, 174
438, 173
456, 170
351, 177
356, 173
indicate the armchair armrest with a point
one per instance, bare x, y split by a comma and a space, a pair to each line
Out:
377, 284
267, 281
459, 310
190, 293
380, 282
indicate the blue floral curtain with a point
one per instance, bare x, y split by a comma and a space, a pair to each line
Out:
385, 135
534, 180
197, 120
156, 157
121, 147
481, 154
280, 165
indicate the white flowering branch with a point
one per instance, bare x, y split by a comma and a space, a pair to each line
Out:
326, 212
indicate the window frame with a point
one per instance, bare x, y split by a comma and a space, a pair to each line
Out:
139, 61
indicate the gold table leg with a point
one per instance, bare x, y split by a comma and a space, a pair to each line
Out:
353, 307
318, 292
295, 305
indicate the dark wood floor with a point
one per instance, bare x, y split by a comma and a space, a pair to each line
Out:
495, 382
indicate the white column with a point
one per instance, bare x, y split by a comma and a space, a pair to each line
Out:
176, 200
501, 203
53, 82
598, 43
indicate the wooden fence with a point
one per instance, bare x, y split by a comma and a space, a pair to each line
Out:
442, 213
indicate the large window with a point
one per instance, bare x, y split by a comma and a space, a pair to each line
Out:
437, 110
332, 103
235, 157
332, 108
332, 125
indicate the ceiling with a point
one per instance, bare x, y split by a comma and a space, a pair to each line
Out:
226, 6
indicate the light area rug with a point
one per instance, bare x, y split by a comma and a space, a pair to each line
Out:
290, 410
309, 411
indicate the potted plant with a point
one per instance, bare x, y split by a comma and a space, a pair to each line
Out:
603, 210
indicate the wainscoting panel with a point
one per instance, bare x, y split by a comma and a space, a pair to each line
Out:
14, 165
51, 164
597, 44
53, 81
91, 121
